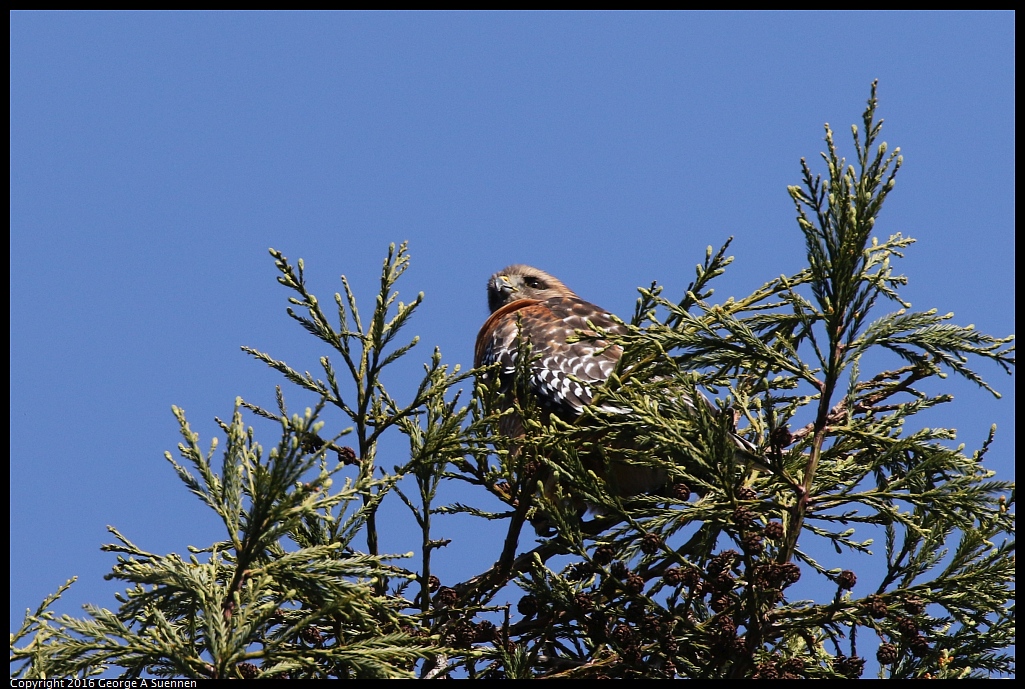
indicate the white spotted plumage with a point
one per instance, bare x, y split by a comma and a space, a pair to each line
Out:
559, 328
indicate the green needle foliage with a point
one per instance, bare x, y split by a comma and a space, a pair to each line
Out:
809, 461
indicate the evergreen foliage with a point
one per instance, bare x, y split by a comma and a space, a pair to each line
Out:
700, 580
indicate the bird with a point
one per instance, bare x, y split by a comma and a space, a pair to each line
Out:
571, 357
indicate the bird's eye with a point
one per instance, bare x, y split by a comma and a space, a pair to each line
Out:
533, 282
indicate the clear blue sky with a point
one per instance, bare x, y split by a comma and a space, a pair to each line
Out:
155, 157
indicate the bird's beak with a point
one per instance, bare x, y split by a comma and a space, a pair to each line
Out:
502, 283
500, 292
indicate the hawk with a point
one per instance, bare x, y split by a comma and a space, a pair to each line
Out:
569, 359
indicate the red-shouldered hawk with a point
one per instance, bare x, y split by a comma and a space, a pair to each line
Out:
566, 365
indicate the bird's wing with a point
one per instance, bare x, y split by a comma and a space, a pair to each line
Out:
567, 358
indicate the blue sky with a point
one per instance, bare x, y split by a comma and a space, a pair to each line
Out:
156, 157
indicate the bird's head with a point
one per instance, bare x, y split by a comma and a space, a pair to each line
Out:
523, 282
